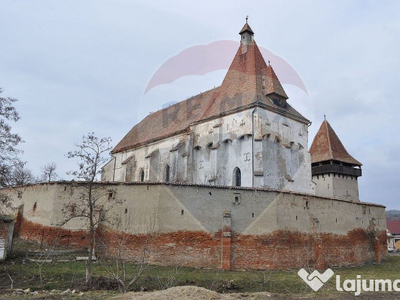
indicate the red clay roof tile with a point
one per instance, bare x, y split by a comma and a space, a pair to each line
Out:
327, 146
248, 82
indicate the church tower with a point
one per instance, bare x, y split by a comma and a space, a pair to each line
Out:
334, 170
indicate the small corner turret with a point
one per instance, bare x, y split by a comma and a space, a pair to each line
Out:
246, 34
334, 170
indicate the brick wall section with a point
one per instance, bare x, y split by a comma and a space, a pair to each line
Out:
226, 251
279, 250
285, 250
54, 236
192, 249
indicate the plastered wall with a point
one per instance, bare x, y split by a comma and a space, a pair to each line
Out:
172, 207
209, 226
269, 149
337, 186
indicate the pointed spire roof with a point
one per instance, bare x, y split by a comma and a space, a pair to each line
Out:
250, 82
247, 28
327, 146
272, 84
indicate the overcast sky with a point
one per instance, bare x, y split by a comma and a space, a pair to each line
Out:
82, 66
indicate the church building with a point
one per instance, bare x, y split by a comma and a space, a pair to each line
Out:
242, 133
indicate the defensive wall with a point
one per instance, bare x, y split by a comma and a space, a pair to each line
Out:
210, 226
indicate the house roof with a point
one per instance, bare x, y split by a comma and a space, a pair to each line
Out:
327, 146
393, 226
249, 82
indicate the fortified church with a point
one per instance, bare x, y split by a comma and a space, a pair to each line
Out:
242, 133
222, 180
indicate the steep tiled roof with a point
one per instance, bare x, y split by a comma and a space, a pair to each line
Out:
272, 84
166, 122
327, 146
249, 82
393, 226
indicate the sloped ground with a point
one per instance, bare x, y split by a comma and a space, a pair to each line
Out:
181, 292
198, 293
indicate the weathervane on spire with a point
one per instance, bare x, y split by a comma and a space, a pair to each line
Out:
324, 117
247, 18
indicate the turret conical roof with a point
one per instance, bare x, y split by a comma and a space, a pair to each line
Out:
327, 146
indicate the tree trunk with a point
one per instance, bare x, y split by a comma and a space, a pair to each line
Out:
89, 261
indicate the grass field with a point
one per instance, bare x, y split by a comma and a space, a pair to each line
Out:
70, 275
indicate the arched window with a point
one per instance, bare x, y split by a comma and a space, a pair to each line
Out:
141, 175
237, 177
166, 173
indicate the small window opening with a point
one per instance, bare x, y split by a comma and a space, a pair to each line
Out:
336, 220
252, 215
167, 170
110, 195
307, 205
236, 199
34, 206
297, 218
19, 195
182, 212
141, 175
237, 177
126, 210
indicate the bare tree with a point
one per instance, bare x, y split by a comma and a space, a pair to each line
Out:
8, 140
90, 205
127, 272
8, 149
117, 267
49, 172
21, 176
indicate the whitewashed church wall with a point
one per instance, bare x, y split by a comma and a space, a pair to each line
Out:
270, 150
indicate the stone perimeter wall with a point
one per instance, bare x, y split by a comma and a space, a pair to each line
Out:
214, 227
